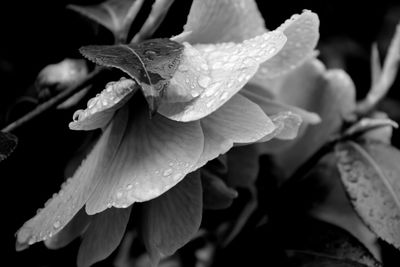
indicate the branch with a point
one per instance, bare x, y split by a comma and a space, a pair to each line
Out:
58, 99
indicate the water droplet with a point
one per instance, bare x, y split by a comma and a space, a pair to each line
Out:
167, 172
109, 205
91, 102
56, 224
212, 89
195, 93
210, 103
224, 96
171, 164
129, 186
119, 194
204, 81
177, 176
241, 77
272, 50
183, 67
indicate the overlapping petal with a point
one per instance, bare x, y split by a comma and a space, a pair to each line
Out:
59, 210
230, 66
154, 155
101, 108
104, 234
211, 21
238, 121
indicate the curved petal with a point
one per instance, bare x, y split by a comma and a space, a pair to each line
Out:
59, 210
211, 21
238, 121
302, 32
75, 228
262, 97
101, 108
172, 219
154, 156
103, 236
230, 66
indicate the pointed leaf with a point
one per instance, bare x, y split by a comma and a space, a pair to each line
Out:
8, 142
59, 210
101, 108
103, 236
211, 21
370, 174
230, 66
150, 63
154, 156
74, 229
171, 220
302, 36
238, 121
115, 15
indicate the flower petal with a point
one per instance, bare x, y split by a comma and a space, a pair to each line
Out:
103, 236
229, 66
155, 155
59, 210
302, 36
262, 97
172, 219
238, 121
71, 231
211, 21
101, 108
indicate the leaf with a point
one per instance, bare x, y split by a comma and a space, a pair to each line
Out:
370, 174
228, 68
8, 142
75, 192
366, 125
150, 63
103, 236
315, 243
145, 169
115, 15
171, 220
101, 109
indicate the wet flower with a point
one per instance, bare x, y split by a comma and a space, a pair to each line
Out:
201, 115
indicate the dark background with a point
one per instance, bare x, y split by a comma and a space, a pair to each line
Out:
37, 33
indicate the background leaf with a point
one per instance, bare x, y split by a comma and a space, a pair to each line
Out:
371, 175
151, 63
115, 15
8, 142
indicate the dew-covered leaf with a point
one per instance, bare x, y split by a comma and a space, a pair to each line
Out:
145, 169
101, 108
302, 32
216, 194
150, 63
172, 219
370, 174
60, 209
211, 21
103, 236
238, 121
115, 15
8, 142
75, 228
316, 243
228, 68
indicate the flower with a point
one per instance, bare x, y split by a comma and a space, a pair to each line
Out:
202, 115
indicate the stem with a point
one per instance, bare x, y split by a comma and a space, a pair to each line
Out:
58, 99
158, 12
